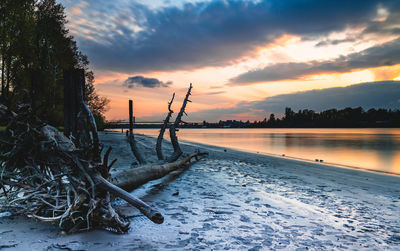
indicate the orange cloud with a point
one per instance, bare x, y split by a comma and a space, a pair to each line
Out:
76, 11
386, 72
281, 41
107, 76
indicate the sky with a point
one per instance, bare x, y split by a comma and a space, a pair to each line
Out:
246, 59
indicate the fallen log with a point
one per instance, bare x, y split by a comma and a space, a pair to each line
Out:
133, 178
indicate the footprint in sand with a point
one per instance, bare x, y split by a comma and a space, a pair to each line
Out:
244, 218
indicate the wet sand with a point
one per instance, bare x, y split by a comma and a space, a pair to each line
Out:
238, 201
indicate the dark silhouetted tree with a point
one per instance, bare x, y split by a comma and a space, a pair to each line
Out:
35, 49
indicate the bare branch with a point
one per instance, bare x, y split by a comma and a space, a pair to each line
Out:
162, 130
150, 213
174, 127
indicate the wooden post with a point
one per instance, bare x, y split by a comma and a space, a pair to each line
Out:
74, 89
130, 116
67, 103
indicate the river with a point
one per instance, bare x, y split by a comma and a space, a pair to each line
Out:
369, 149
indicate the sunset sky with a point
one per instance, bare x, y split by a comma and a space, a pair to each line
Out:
245, 59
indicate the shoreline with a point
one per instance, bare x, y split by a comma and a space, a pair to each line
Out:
328, 164
372, 151
237, 201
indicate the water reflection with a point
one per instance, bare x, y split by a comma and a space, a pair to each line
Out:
377, 149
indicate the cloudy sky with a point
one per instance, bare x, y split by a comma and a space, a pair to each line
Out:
245, 59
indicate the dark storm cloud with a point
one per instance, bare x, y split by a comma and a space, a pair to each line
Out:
391, 24
211, 33
384, 94
383, 55
138, 81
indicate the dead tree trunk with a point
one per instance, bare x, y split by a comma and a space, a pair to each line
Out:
78, 119
162, 130
72, 84
131, 138
174, 127
2, 76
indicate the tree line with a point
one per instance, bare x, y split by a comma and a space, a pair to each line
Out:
35, 49
332, 118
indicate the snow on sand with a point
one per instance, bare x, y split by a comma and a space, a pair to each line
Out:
239, 201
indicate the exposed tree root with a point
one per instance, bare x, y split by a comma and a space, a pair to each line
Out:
46, 176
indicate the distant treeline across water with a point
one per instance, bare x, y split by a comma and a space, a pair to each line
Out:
333, 118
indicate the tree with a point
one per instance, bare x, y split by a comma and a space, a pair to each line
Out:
35, 49
271, 121
97, 104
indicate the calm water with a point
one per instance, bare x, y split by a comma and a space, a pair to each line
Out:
377, 149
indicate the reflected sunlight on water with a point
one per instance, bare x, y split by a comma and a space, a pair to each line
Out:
377, 149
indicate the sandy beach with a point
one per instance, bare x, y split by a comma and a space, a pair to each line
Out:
235, 200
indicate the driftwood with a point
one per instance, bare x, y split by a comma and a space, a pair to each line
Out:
86, 123
131, 138
174, 128
133, 178
163, 128
152, 214
45, 175
135, 150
